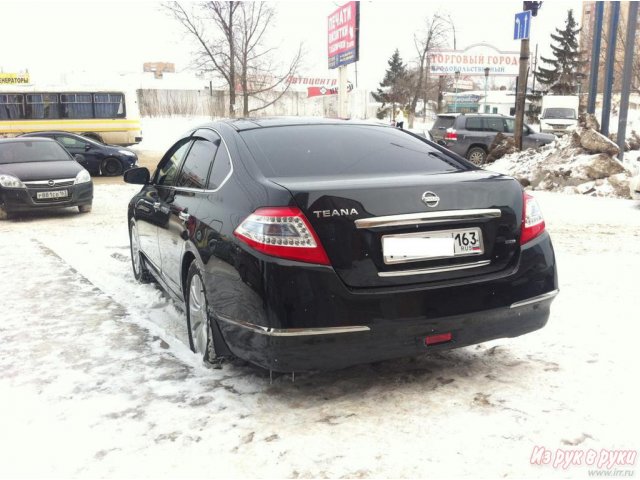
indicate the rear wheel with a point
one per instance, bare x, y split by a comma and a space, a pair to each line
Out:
477, 155
140, 271
3, 214
198, 321
84, 208
111, 167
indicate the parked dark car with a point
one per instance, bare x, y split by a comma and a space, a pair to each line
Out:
317, 244
98, 158
471, 135
37, 173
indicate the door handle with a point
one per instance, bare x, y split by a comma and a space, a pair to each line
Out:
157, 205
184, 216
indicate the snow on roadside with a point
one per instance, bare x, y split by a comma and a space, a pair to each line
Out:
100, 383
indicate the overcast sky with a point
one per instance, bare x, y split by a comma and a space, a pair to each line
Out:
51, 38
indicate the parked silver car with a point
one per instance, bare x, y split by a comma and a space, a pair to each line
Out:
470, 135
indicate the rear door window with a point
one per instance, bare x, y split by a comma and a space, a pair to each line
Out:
343, 150
474, 124
493, 124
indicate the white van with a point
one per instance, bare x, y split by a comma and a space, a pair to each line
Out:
559, 113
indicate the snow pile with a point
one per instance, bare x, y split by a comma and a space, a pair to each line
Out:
583, 162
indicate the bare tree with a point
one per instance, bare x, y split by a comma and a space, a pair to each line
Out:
256, 61
215, 46
436, 35
230, 41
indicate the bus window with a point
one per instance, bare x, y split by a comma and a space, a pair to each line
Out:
109, 105
76, 105
42, 105
11, 107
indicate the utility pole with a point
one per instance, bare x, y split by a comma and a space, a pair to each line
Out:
595, 58
614, 16
626, 76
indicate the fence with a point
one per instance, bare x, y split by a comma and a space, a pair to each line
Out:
215, 103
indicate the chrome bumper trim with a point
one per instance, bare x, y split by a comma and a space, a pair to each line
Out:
424, 271
428, 218
293, 332
539, 298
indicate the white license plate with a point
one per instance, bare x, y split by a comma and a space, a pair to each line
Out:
412, 247
52, 194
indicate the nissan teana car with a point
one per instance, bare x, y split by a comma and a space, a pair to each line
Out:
317, 244
38, 174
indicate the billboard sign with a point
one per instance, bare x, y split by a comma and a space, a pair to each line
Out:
324, 91
14, 78
473, 60
343, 35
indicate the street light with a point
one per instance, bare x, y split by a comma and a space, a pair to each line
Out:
486, 81
455, 101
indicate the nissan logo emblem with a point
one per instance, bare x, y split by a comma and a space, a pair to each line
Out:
51, 183
430, 199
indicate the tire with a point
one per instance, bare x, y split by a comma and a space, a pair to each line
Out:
140, 271
198, 321
3, 214
84, 208
111, 167
477, 155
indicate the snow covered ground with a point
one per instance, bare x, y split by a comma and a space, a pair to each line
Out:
96, 380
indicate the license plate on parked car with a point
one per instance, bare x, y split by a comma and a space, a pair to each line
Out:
52, 194
412, 247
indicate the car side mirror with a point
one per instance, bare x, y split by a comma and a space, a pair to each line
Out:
137, 176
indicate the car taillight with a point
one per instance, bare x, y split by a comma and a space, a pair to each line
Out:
450, 134
532, 221
282, 232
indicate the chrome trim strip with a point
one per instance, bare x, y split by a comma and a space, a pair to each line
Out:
293, 332
539, 298
427, 217
426, 271
46, 182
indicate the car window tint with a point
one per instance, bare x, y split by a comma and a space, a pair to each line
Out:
334, 150
221, 168
493, 124
509, 125
70, 142
474, 124
444, 122
168, 169
196, 165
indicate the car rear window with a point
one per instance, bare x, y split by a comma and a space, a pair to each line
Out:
444, 122
31, 151
330, 150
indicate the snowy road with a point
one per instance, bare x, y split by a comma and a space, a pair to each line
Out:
95, 378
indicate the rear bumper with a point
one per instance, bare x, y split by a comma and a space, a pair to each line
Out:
288, 350
15, 200
284, 316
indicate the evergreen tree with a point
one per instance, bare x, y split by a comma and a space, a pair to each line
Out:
560, 77
394, 88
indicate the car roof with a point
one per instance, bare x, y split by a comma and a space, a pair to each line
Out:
22, 140
242, 124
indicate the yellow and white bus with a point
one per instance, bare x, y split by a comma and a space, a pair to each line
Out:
109, 116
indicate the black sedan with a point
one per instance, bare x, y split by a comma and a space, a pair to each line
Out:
98, 158
37, 174
302, 245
